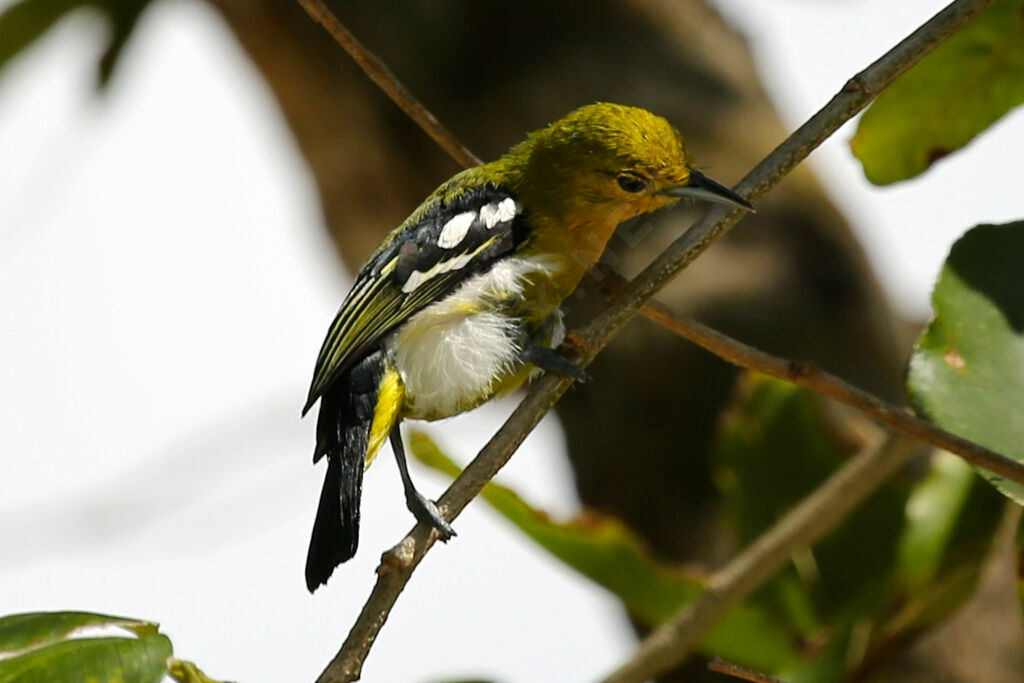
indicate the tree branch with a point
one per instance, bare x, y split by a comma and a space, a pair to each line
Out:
374, 67
736, 671
398, 564
815, 516
812, 377
854, 96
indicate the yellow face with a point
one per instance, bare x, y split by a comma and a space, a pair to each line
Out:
638, 158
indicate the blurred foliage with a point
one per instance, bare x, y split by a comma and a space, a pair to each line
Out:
775, 446
604, 550
51, 646
932, 515
952, 515
967, 369
906, 559
952, 95
24, 22
847, 597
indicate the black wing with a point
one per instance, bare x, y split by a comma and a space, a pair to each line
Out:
424, 260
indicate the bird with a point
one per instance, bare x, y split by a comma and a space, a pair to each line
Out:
462, 301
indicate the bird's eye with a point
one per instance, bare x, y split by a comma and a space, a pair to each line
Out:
631, 183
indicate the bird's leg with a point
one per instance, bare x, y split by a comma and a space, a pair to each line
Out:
422, 509
550, 360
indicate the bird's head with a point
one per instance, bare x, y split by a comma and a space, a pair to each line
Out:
610, 161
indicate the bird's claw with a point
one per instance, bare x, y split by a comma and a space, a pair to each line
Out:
550, 360
426, 512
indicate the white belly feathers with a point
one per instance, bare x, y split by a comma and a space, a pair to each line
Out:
451, 353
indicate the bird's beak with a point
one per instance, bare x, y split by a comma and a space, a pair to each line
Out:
703, 188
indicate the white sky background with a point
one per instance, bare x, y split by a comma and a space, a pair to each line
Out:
164, 286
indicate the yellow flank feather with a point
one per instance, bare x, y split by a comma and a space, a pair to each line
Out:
390, 399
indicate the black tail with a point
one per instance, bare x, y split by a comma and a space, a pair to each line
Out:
342, 434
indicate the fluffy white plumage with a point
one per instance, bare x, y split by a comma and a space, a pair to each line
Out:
450, 354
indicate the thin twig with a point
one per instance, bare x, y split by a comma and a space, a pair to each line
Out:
398, 564
736, 671
374, 67
812, 377
811, 519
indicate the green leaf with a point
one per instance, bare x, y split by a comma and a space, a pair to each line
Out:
606, 551
42, 646
24, 631
952, 95
187, 672
967, 369
110, 660
932, 512
952, 518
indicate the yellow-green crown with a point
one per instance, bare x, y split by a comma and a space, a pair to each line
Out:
610, 137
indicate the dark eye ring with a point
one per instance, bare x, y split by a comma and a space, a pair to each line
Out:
631, 183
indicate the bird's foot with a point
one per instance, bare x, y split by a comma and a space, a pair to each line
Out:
426, 512
550, 360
